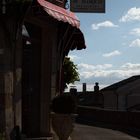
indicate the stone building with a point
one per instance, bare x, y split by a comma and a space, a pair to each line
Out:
124, 95
50, 32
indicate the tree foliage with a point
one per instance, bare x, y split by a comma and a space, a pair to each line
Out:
70, 72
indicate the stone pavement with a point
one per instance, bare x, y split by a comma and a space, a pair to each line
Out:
84, 132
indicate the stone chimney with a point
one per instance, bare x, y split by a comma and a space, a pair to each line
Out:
96, 87
73, 90
84, 87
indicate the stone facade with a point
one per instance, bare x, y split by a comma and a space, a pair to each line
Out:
31, 70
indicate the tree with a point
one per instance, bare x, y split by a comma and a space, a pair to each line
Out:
70, 72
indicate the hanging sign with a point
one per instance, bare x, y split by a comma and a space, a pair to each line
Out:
91, 6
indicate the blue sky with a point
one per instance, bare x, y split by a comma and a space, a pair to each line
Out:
113, 44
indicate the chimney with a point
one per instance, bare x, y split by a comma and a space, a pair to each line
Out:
84, 87
96, 87
73, 90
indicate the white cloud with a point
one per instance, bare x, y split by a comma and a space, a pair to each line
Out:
107, 24
135, 43
88, 67
73, 57
114, 53
98, 74
124, 71
135, 31
87, 71
133, 14
105, 74
130, 66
